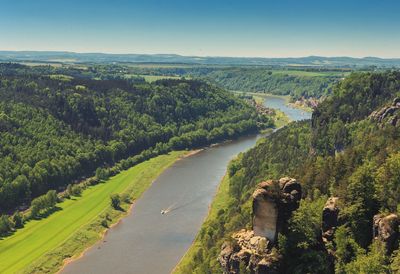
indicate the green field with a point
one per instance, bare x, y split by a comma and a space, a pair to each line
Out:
42, 245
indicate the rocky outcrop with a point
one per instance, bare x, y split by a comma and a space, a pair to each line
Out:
386, 230
388, 114
248, 251
260, 108
330, 215
273, 203
265, 212
307, 102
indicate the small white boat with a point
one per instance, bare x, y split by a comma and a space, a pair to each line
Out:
163, 212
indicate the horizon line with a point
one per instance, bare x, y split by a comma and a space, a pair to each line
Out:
204, 56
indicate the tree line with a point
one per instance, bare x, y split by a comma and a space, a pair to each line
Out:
58, 130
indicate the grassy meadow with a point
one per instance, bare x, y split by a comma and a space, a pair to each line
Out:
43, 245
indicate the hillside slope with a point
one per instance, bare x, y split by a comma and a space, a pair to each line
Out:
55, 129
350, 151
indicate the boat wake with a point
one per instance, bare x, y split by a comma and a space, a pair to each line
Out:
174, 206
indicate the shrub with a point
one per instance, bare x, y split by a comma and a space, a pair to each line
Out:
115, 201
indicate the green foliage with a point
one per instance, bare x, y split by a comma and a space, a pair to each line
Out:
77, 225
102, 174
395, 262
298, 84
346, 248
115, 200
18, 220
272, 157
352, 100
305, 224
374, 262
301, 245
62, 128
74, 190
5, 225
43, 203
126, 198
388, 182
342, 153
360, 203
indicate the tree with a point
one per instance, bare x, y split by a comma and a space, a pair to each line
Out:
18, 220
102, 174
44, 202
346, 248
301, 246
115, 201
51, 198
375, 261
5, 225
388, 182
360, 203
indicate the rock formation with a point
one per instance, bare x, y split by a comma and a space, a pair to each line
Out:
330, 219
260, 108
388, 114
273, 203
249, 251
265, 212
386, 230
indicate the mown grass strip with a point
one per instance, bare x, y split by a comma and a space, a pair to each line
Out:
42, 245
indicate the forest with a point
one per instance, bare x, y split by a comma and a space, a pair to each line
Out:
56, 129
299, 82
349, 150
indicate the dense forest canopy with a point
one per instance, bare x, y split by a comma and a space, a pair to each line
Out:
349, 150
57, 128
298, 82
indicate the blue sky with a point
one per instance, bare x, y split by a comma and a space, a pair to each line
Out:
204, 27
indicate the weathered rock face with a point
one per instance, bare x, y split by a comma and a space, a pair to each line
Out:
386, 230
265, 214
249, 251
330, 218
273, 203
388, 114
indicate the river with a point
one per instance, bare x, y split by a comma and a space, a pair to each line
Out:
148, 242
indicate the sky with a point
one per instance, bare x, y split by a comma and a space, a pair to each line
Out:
248, 28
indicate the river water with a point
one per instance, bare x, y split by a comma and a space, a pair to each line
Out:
148, 242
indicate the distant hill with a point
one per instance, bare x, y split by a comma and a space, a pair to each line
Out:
73, 57
55, 129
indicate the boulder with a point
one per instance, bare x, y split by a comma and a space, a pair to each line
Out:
386, 230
